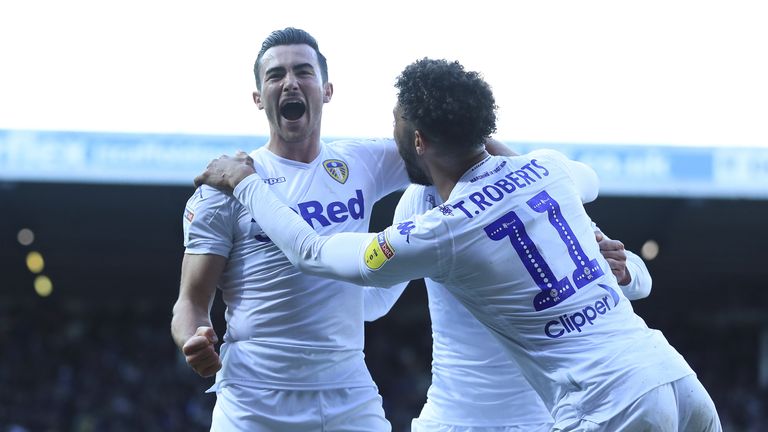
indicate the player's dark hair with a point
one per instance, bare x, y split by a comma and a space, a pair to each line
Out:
290, 36
447, 103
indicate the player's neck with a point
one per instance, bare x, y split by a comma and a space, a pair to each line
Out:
447, 171
305, 150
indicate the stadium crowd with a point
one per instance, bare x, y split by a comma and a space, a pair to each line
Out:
82, 366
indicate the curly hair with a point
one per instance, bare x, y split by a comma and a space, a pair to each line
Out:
290, 36
447, 103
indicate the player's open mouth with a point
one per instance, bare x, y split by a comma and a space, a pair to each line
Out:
293, 110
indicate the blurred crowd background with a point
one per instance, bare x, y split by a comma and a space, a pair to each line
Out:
96, 354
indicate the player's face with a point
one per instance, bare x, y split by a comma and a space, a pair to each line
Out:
292, 91
405, 135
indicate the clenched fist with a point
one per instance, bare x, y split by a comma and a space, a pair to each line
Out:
200, 353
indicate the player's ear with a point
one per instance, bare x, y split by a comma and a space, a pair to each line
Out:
419, 143
327, 92
257, 100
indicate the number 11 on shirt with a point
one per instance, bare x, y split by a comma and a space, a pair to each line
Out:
553, 290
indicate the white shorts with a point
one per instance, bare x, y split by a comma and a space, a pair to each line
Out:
240, 408
682, 405
422, 425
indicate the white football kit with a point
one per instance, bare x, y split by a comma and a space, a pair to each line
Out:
475, 385
515, 246
288, 330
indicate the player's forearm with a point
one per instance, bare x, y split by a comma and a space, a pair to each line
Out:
640, 284
187, 317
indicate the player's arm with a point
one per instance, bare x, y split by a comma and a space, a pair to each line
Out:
497, 148
207, 227
640, 281
583, 176
630, 270
191, 325
358, 258
377, 302
350, 257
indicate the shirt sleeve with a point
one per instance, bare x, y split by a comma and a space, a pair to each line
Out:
397, 254
583, 176
377, 302
207, 223
640, 285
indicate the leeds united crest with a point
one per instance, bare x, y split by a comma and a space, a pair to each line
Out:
337, 169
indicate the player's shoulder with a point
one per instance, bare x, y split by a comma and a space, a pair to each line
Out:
434, 223
261, 155
548, 154
207, 196
351, 142
421, 194
416, 199
415, 190
549, 159
360, 147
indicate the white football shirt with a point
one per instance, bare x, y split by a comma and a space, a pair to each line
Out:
286, 329
515, 246
474, 381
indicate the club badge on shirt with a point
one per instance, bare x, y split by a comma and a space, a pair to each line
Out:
337, 169
378, 252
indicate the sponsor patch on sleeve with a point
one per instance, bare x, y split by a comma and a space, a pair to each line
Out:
188, 214
378, 252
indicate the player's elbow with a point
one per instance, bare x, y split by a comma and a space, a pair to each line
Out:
644, 290
303, 265
638, 289
592, 190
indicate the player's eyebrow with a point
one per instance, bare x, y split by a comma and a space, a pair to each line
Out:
274, 69
294, 67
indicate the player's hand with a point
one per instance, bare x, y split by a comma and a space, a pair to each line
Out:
200, 353
225, 172
613, 252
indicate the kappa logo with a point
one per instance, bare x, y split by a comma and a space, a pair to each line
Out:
337, 169
446, 209
405, 229
273, 180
